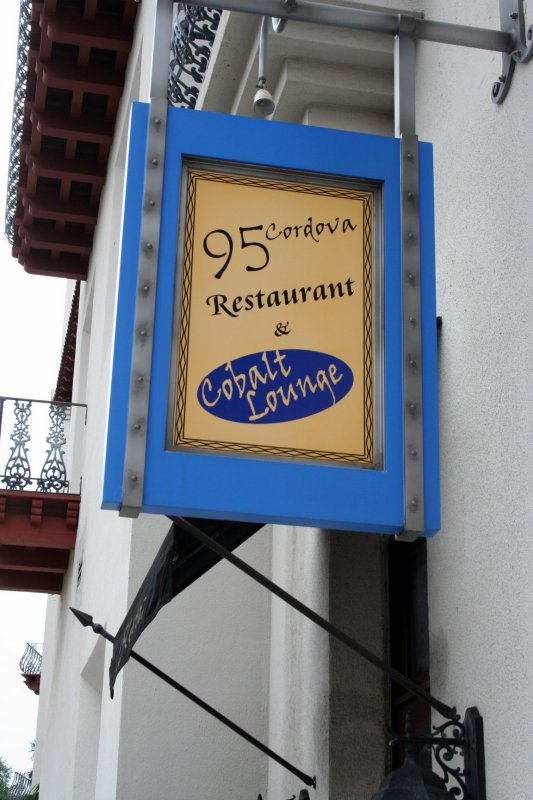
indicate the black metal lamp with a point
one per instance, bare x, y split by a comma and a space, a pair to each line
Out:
412, 781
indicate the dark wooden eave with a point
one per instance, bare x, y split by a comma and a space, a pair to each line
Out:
63, 390
37, 533
33, 682
76, 67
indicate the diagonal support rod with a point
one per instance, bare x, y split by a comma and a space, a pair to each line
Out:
446, 711
87, 621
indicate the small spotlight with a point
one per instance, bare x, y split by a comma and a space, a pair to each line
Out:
263, 102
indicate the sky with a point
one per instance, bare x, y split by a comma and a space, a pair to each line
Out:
31, 332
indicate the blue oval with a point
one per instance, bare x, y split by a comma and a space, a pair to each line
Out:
275, 386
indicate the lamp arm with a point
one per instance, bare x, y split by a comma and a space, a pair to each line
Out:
453, 739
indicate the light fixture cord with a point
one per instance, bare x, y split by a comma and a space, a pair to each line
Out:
263, 45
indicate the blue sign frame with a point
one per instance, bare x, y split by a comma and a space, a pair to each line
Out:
201, 484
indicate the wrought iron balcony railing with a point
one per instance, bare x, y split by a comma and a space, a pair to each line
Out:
31, 661
17, 124
33, 435
193, 35
20, 786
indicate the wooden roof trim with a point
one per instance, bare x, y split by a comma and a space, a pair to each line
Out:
76, 60
63, 390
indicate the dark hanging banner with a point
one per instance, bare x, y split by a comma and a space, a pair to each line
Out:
155, 592
178, 563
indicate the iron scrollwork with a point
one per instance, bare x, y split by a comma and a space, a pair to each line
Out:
31, 661
457, 746
19, 787
26, 425
449, 740
17, 474
18, 116
193, 35
53, 476
513, 21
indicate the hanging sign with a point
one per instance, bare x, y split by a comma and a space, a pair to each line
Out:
276, 375
274, 352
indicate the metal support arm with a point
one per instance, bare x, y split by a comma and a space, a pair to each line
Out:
512, 20
511, 40
371, 21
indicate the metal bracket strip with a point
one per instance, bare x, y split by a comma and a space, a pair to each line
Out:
133, 481
134, 463
412, 339
405, 127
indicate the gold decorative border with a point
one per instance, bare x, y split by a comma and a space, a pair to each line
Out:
179, 438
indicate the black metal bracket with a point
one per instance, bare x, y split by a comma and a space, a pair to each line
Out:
450, 741
512, 20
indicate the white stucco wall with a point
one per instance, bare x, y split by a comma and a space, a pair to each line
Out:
480, 597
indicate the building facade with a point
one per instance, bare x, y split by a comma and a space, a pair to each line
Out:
453, 613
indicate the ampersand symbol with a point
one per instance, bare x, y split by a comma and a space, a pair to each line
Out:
282, 329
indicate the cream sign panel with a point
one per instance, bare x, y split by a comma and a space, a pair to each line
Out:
276, 325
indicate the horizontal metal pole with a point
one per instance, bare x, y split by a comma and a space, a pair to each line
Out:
373, 21
428, 30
